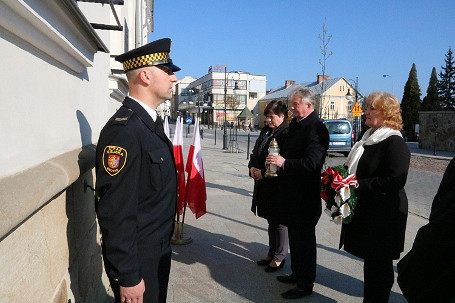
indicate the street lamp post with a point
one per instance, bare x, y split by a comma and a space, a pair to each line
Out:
384, 76
356, 114
199, 111
225, 102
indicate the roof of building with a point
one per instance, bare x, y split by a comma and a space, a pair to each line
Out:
246, 113
282, 93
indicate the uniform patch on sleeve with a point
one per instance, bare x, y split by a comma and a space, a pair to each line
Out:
114, 159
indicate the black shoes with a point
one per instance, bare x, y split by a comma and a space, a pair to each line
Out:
296, 293
287, 279
263, 262
274, 268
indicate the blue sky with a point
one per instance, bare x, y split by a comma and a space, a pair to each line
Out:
279, 39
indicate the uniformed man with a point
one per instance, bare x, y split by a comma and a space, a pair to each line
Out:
136, 180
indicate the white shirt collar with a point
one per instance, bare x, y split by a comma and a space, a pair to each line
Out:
147, 108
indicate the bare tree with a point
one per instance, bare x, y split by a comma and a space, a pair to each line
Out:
325, 39
232, 102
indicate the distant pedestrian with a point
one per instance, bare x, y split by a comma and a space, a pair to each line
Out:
381, 162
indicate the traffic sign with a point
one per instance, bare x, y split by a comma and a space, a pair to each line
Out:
356, 110
189, 120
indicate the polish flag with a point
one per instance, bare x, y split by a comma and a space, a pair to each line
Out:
166, 127
196, 191
178, 155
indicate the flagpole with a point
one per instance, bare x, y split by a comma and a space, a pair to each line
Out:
178, 238
188, 180
186, 202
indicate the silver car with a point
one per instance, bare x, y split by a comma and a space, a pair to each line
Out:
341, 135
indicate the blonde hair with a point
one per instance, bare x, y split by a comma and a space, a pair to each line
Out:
389, 106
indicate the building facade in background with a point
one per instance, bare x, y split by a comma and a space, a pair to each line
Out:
334, 97
206, 96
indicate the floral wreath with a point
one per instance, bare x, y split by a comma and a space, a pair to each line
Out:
338, 192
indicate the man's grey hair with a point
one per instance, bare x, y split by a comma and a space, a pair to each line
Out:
303, 92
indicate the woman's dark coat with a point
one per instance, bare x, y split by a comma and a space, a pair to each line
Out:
377, 228
266, 191
304, 149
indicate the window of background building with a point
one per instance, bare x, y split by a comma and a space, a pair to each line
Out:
217, 83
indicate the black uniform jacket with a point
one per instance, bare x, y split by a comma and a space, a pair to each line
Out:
378, 226
136, 183
304, 149
266, 195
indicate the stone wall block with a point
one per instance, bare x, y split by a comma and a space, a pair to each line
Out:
437, 130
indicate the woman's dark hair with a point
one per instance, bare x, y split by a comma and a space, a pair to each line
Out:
276, 107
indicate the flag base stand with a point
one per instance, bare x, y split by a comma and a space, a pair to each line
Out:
178, 238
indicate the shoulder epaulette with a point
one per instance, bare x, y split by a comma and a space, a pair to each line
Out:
122, 116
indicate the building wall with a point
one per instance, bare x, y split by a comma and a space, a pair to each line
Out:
335, 91
437, 130
337, 94
253, 89
57, 94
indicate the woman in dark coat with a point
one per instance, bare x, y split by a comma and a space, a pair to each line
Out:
266, 188
377, 229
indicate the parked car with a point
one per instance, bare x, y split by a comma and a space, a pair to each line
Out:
341, 135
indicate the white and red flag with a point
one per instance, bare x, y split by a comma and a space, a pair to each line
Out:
196, 190
166, 127
178, 155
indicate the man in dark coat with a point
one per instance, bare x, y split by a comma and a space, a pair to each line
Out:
301, 158
136, 180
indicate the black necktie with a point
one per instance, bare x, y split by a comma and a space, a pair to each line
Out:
159, 125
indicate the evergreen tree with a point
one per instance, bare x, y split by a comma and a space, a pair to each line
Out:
410, 104
431, 100
446, 86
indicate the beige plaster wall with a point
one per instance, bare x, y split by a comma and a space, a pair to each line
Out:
50, 250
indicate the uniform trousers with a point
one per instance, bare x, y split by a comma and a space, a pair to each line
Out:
155, 262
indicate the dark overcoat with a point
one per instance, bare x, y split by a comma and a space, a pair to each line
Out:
377, 228
304, 149
137, 188
266, 192
426, 273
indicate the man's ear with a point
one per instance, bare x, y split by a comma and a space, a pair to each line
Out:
145, 75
